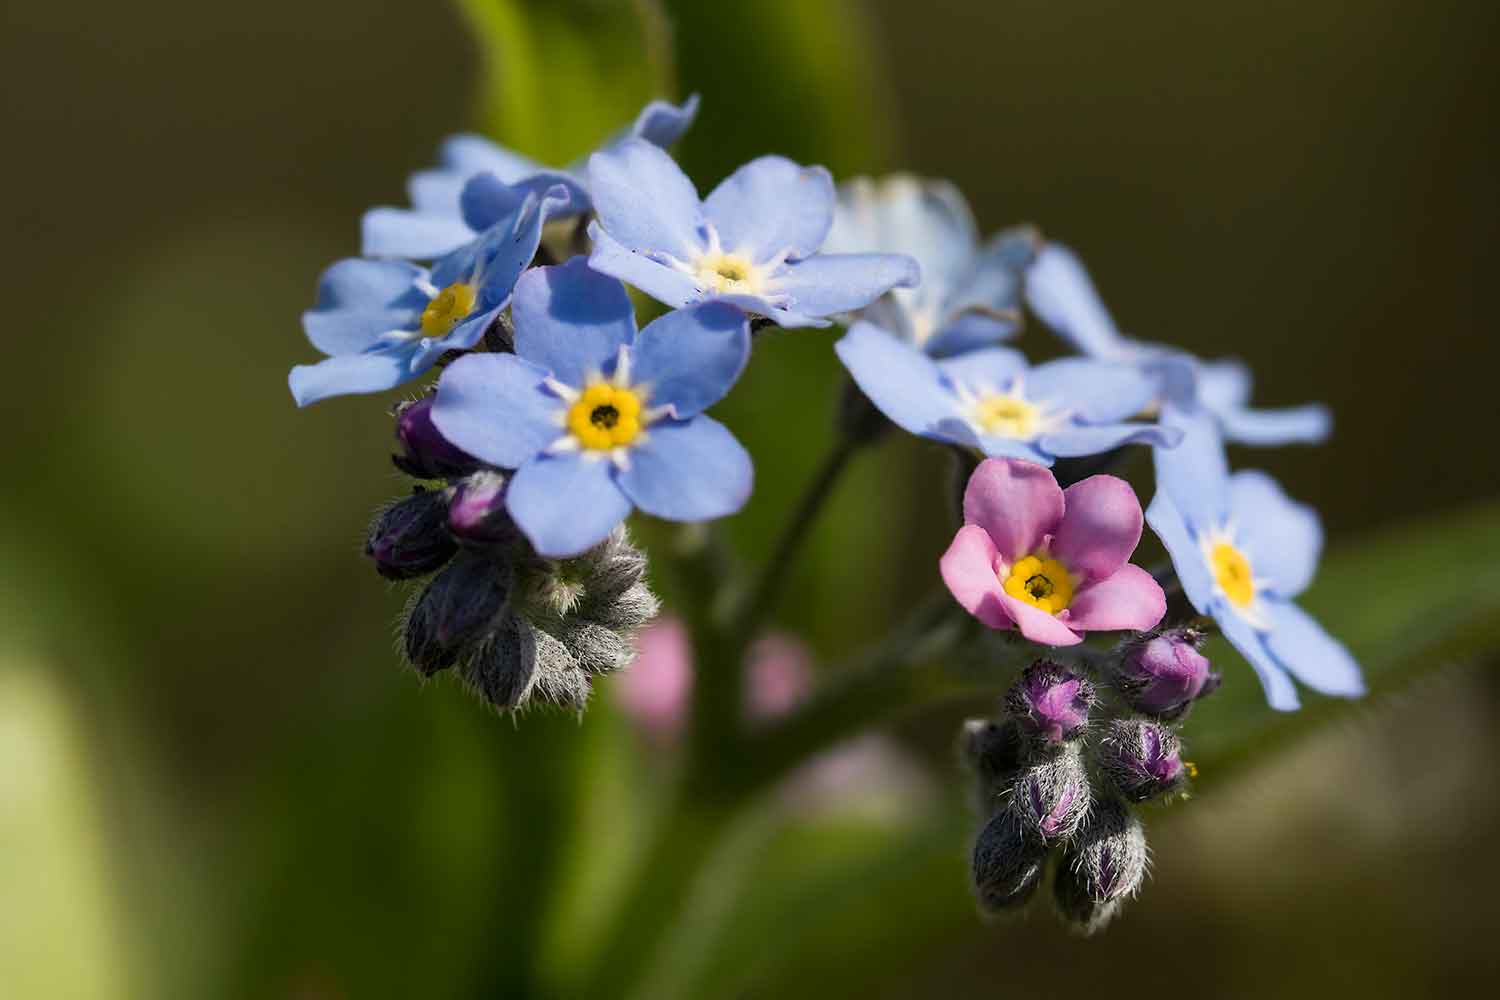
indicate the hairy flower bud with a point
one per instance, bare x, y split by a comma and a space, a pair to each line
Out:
423, 451
1006, 866
1050, 797
992, 751
455, 610
410, 537
477, 514
1075, 906
1050, 702
1163, 674
1104, 863
1142, 758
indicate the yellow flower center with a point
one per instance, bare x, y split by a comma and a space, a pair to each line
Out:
1042, 582
1008, 416
447, 309
728, 273
1232, 573
605, 417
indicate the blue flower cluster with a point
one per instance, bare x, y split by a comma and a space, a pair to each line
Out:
511, 277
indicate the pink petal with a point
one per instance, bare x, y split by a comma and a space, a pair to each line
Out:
778, 677
654, 690
1130, 599
968, 568
1100, 528
1017, 503
1038, 626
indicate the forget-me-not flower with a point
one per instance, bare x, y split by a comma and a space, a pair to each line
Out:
991, 400
596, 418
1243, 551
383, 322
970, 293
1060, 292
440, 220
753, 242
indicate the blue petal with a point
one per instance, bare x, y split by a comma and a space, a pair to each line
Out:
462, 337
1223, 384
1099, 392
898, 378
1281, 538
1195, 473
929, 220
690, 470
691, 357
571, 320
773, 308
772, 206
660, 281
992, 368
437, 192
1094, 439
486, 199
359, 300
399, 232
566, 504
1060, 292
993, 445
348, 374
493, 406
998, 272
972, 330
1187, 557
831, 283
645, 201
497, 256
470, 154
1316, 658
662, 123
1281, 693
1293, 425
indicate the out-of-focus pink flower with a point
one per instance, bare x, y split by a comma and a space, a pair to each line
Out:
654, 690
778, 676
1051, 562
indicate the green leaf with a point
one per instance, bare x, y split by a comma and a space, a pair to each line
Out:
1405, 603
560, 75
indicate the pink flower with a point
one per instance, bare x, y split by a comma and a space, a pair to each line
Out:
1051, 562
654, 691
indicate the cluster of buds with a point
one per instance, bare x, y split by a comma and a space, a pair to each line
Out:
1055, 778
519, 629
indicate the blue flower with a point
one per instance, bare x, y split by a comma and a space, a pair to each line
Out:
383, 322
1243, 551
1059, 291
754, 242
970, 295
990, 400
596, 418
441, 219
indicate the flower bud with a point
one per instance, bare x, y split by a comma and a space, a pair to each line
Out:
1142, 758
1105, 862
410, 537
1074, 905
1161, 675
423, 451
1051, 796
1006, 866
1050, 702
454, 610
992, 752
477, 514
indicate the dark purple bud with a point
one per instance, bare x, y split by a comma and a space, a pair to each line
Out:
410, 537
477, 514
1104, 863
1050, 702
1161, 675
1007, 866
455, 610
1074, 905
1143, 759
423, 451
993, 753
1051, 797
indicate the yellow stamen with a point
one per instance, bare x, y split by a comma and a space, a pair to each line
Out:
605, 417
1042, 582
728, 273
1192, 769
447, 309
1007, 416
1232, 572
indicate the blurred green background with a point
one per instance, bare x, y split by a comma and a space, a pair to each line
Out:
216, 780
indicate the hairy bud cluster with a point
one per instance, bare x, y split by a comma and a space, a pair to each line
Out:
1054, 777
